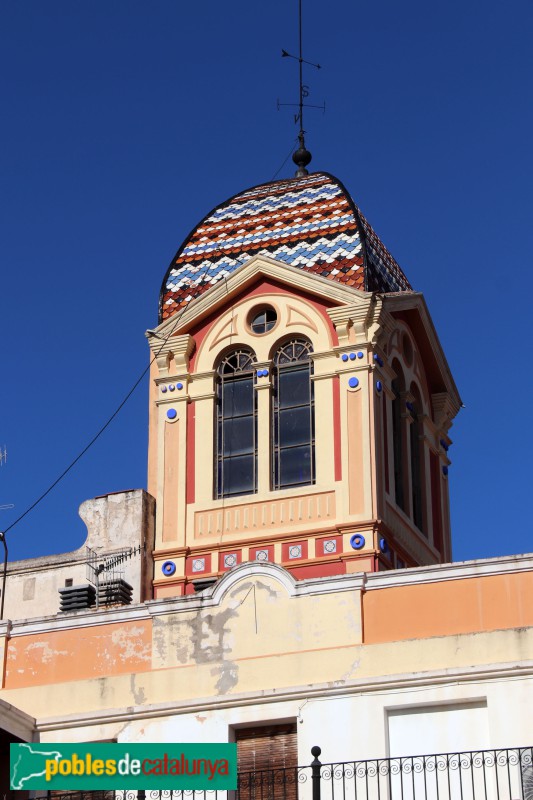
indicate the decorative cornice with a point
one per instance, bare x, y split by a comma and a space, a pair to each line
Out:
180, 347
79, 619
162, 351
166, 552
359, 581
352, 317
444, 410
388, 326
461, 570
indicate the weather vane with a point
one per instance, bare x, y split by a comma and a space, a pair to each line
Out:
302, 156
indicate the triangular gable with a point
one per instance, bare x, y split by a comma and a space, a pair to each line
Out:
412, 310
244, 278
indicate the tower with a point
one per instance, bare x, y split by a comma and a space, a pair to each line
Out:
300, 400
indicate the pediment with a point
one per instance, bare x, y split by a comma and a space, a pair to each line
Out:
243, 278
411, 308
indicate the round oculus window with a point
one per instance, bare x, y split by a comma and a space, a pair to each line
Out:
263, 319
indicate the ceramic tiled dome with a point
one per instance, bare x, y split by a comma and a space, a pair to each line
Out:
309, 222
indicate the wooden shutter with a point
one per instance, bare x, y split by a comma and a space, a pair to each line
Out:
267, 758
58, 794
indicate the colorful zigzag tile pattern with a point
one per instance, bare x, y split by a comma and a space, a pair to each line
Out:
310, 222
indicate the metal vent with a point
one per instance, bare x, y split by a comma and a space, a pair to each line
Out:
73, 598
114, 592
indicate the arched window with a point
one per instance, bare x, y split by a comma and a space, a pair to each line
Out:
293, 424
236, 463
416, 460
398, 388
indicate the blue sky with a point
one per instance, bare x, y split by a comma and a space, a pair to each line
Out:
124, 122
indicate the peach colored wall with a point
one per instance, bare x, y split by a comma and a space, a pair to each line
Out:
415, 612
447, 608
91, 652
191, 451
152, 431
170, 494
337, 428
259, 517
355, 453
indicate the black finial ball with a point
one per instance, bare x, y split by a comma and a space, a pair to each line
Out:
316, 750
301, 158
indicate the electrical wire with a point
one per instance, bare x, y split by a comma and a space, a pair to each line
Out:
291, 151
119, 407
104, 426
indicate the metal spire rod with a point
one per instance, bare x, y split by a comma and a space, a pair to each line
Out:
301, 70
301, 156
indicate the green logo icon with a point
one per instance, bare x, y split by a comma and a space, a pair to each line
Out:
83, 767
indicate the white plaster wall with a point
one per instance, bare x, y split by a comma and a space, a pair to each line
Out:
444, 728
480, 714
114, 523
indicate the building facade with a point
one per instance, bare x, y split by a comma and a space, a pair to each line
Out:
290, 565
300, 400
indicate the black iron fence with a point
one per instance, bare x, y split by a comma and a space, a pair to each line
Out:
478, 775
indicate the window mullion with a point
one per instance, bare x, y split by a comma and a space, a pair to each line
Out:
264, 436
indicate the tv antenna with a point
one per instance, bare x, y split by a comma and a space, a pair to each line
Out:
106, 574
302, 156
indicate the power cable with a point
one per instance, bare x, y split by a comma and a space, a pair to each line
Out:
291, 151
103, 428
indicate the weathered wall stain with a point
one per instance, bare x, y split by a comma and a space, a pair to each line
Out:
201, 638
71, 654
131, 643
138, 693
228, 677
242, 588
208, 633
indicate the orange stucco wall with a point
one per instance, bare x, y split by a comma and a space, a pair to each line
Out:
424, 610
449, 607
77, 654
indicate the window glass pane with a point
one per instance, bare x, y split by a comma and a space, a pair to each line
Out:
237, 397
294, 387
238, 475
293, 411
295, 466
264, 321
236, 425
294, 426
238, 436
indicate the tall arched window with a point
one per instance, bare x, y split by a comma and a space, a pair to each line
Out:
236, 464
416, 461
293, 424
398, 388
